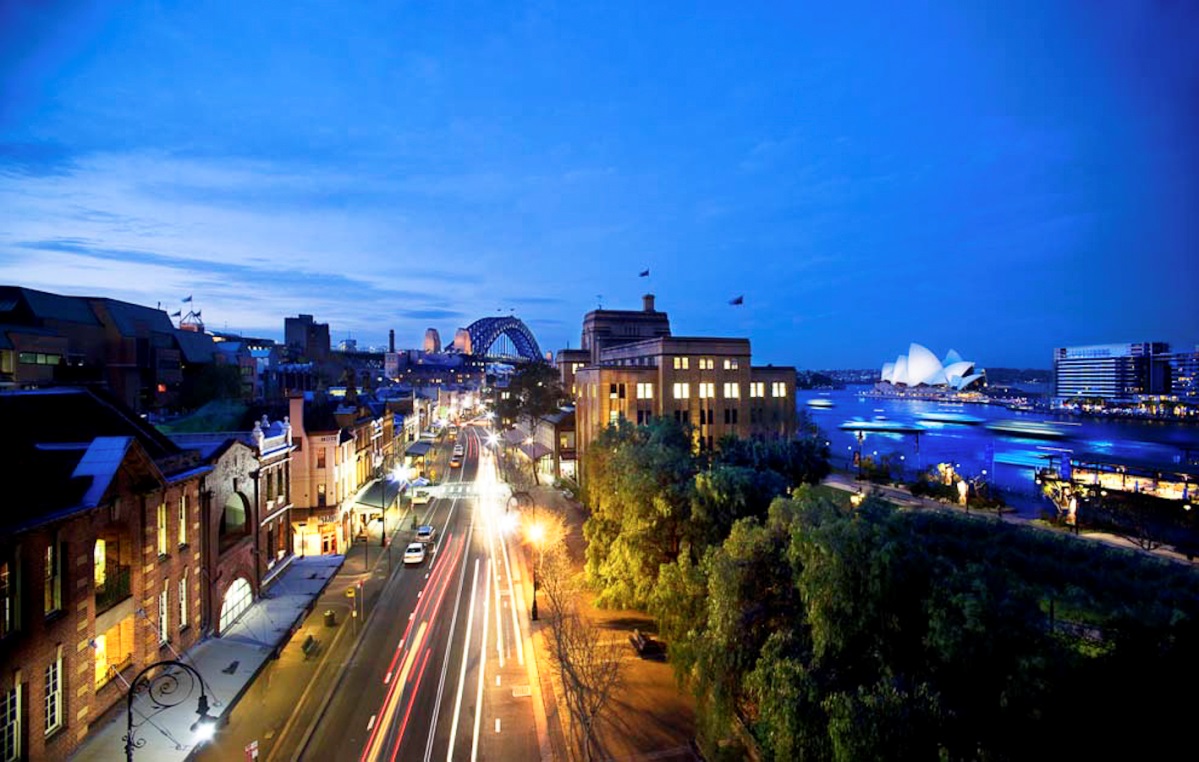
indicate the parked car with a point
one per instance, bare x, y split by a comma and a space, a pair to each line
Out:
414, 553
425, 533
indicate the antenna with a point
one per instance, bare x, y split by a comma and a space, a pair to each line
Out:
599, 298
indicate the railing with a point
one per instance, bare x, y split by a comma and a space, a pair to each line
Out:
115, 589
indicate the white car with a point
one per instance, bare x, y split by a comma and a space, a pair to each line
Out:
422, 497
458, 450
414, 553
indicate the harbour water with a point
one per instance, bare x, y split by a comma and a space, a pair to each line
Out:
1009, 459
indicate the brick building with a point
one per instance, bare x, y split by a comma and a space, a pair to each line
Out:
99, 562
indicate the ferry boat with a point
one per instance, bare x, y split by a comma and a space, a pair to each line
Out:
823, 403
1034, 429
939, 416
894, 427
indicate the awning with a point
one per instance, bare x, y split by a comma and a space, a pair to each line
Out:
536, 451
515, 436
418, 449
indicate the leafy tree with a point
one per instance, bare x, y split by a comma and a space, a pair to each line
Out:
883, 721
534, 390
791, 722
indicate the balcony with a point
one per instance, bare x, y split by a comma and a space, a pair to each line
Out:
115, 589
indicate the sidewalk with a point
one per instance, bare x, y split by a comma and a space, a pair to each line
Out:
229, 665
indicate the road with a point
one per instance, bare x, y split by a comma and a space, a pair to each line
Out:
439, 671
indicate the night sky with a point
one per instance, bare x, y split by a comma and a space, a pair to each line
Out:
999, 178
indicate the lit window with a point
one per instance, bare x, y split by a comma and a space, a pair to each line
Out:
164, 603
54, 693
8, 599
613, 416
10, 724
682, 363
52, 597
682, 391
730, 363
778, 388
645, 391
732, 390
162, 529
757, 389
707, 390
706, 363
183, 601
182, 520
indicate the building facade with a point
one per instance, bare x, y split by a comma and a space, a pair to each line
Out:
1112, 371
99, 562
306, 339
706, 383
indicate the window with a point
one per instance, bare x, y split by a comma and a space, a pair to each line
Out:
682, 391
757, 388
706, 363
54, 693
10, 723
320, 495
778, 388
281, 489
162, 529
613, 416
270, 487
682, 363
52, 598
730, 363
732, 390
612, 391
38, 358
707, 390
645, 391
164, 604
182, 520
320, 454
183, 601
8, 598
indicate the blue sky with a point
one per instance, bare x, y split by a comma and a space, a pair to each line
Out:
1000, 178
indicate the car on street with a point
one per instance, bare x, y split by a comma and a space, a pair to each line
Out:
422, 497
414, 553
425, 533
458, 450
456, 461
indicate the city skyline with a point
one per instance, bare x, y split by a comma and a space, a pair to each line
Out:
997, 181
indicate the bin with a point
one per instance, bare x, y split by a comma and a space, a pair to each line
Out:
330, 618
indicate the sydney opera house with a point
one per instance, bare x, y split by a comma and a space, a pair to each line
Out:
921, 368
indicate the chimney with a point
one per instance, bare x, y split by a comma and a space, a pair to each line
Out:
391, 341
647, 302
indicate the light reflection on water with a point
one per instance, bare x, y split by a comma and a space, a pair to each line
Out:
1009, 460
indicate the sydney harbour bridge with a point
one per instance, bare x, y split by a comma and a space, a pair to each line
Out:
497, 338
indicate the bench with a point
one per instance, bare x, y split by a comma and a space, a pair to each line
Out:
310, 646
646, 648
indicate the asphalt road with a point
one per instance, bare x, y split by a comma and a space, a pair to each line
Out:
439, 671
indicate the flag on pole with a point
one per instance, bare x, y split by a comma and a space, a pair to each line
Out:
197, 313
177, 314
643, 274
187, 299
738, 301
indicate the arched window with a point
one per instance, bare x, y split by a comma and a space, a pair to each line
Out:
234, 523
238, 598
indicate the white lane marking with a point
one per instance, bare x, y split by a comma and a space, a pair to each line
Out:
497, 724
474, 744
445, 663
520, 649
470, 621
371, 724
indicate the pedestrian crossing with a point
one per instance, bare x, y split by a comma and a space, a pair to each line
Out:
465, 489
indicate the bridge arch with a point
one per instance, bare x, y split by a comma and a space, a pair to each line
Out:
486, 331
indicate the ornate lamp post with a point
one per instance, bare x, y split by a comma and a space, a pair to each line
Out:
165, 690
537, 535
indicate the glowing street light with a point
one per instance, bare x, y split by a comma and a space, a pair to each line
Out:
537, 536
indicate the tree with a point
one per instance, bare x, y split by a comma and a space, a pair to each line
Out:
534, 390
589, 669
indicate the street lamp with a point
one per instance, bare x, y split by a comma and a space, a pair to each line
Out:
861, 435
537, 535
164, 692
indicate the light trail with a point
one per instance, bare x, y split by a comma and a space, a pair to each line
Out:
474, 744
470, 620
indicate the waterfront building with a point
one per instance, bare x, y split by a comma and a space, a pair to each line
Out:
921, 368
1184, 375
637, 371
1119, 372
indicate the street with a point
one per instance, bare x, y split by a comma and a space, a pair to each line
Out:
440, 669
